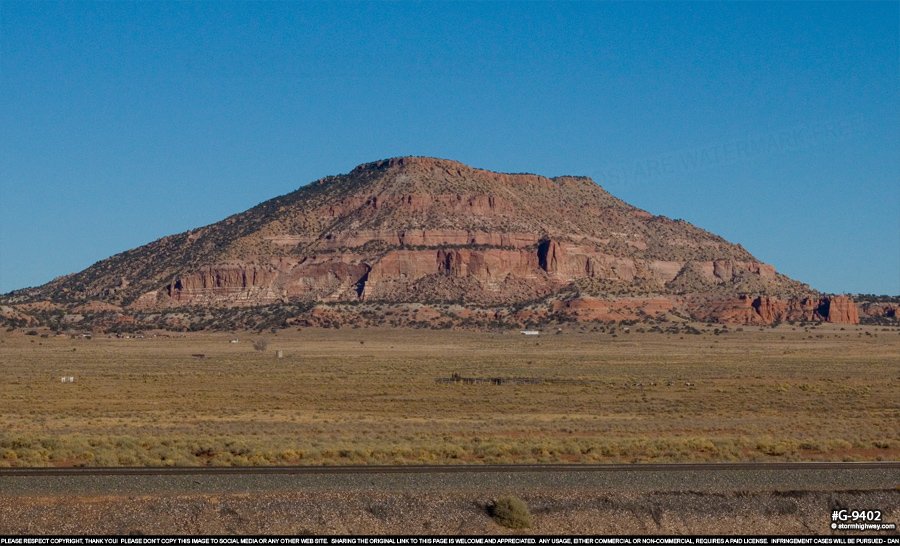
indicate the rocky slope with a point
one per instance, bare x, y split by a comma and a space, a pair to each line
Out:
424, 230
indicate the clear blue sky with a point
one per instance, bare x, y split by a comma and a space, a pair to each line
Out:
774, 125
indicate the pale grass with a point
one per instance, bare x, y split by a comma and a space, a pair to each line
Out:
643, 397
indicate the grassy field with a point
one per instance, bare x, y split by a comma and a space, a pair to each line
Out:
371, 396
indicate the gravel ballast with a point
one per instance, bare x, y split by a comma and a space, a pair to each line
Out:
789, 501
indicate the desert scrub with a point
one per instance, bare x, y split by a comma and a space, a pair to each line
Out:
150, 403
511, 512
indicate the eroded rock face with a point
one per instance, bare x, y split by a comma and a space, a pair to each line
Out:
841, 310
424, 230
11, 314
880, 310
497, 273
763, 310
326, 279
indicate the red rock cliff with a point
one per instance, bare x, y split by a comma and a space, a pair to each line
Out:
419, 230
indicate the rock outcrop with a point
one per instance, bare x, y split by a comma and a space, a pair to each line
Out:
761, 310
840, 309
879, 310
11, 315
429, 230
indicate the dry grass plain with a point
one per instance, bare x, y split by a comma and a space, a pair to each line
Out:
370, 396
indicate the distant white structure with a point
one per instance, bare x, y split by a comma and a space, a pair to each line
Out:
279, 354
531, 332
235, 341
67, 379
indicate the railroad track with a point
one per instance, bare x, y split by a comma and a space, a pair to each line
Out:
448, 469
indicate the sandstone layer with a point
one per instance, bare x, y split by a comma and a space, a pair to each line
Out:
429, 230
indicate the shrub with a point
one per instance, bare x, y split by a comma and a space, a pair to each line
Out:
260, 344
511, 512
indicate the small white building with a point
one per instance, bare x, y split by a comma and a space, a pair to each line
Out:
531, 332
